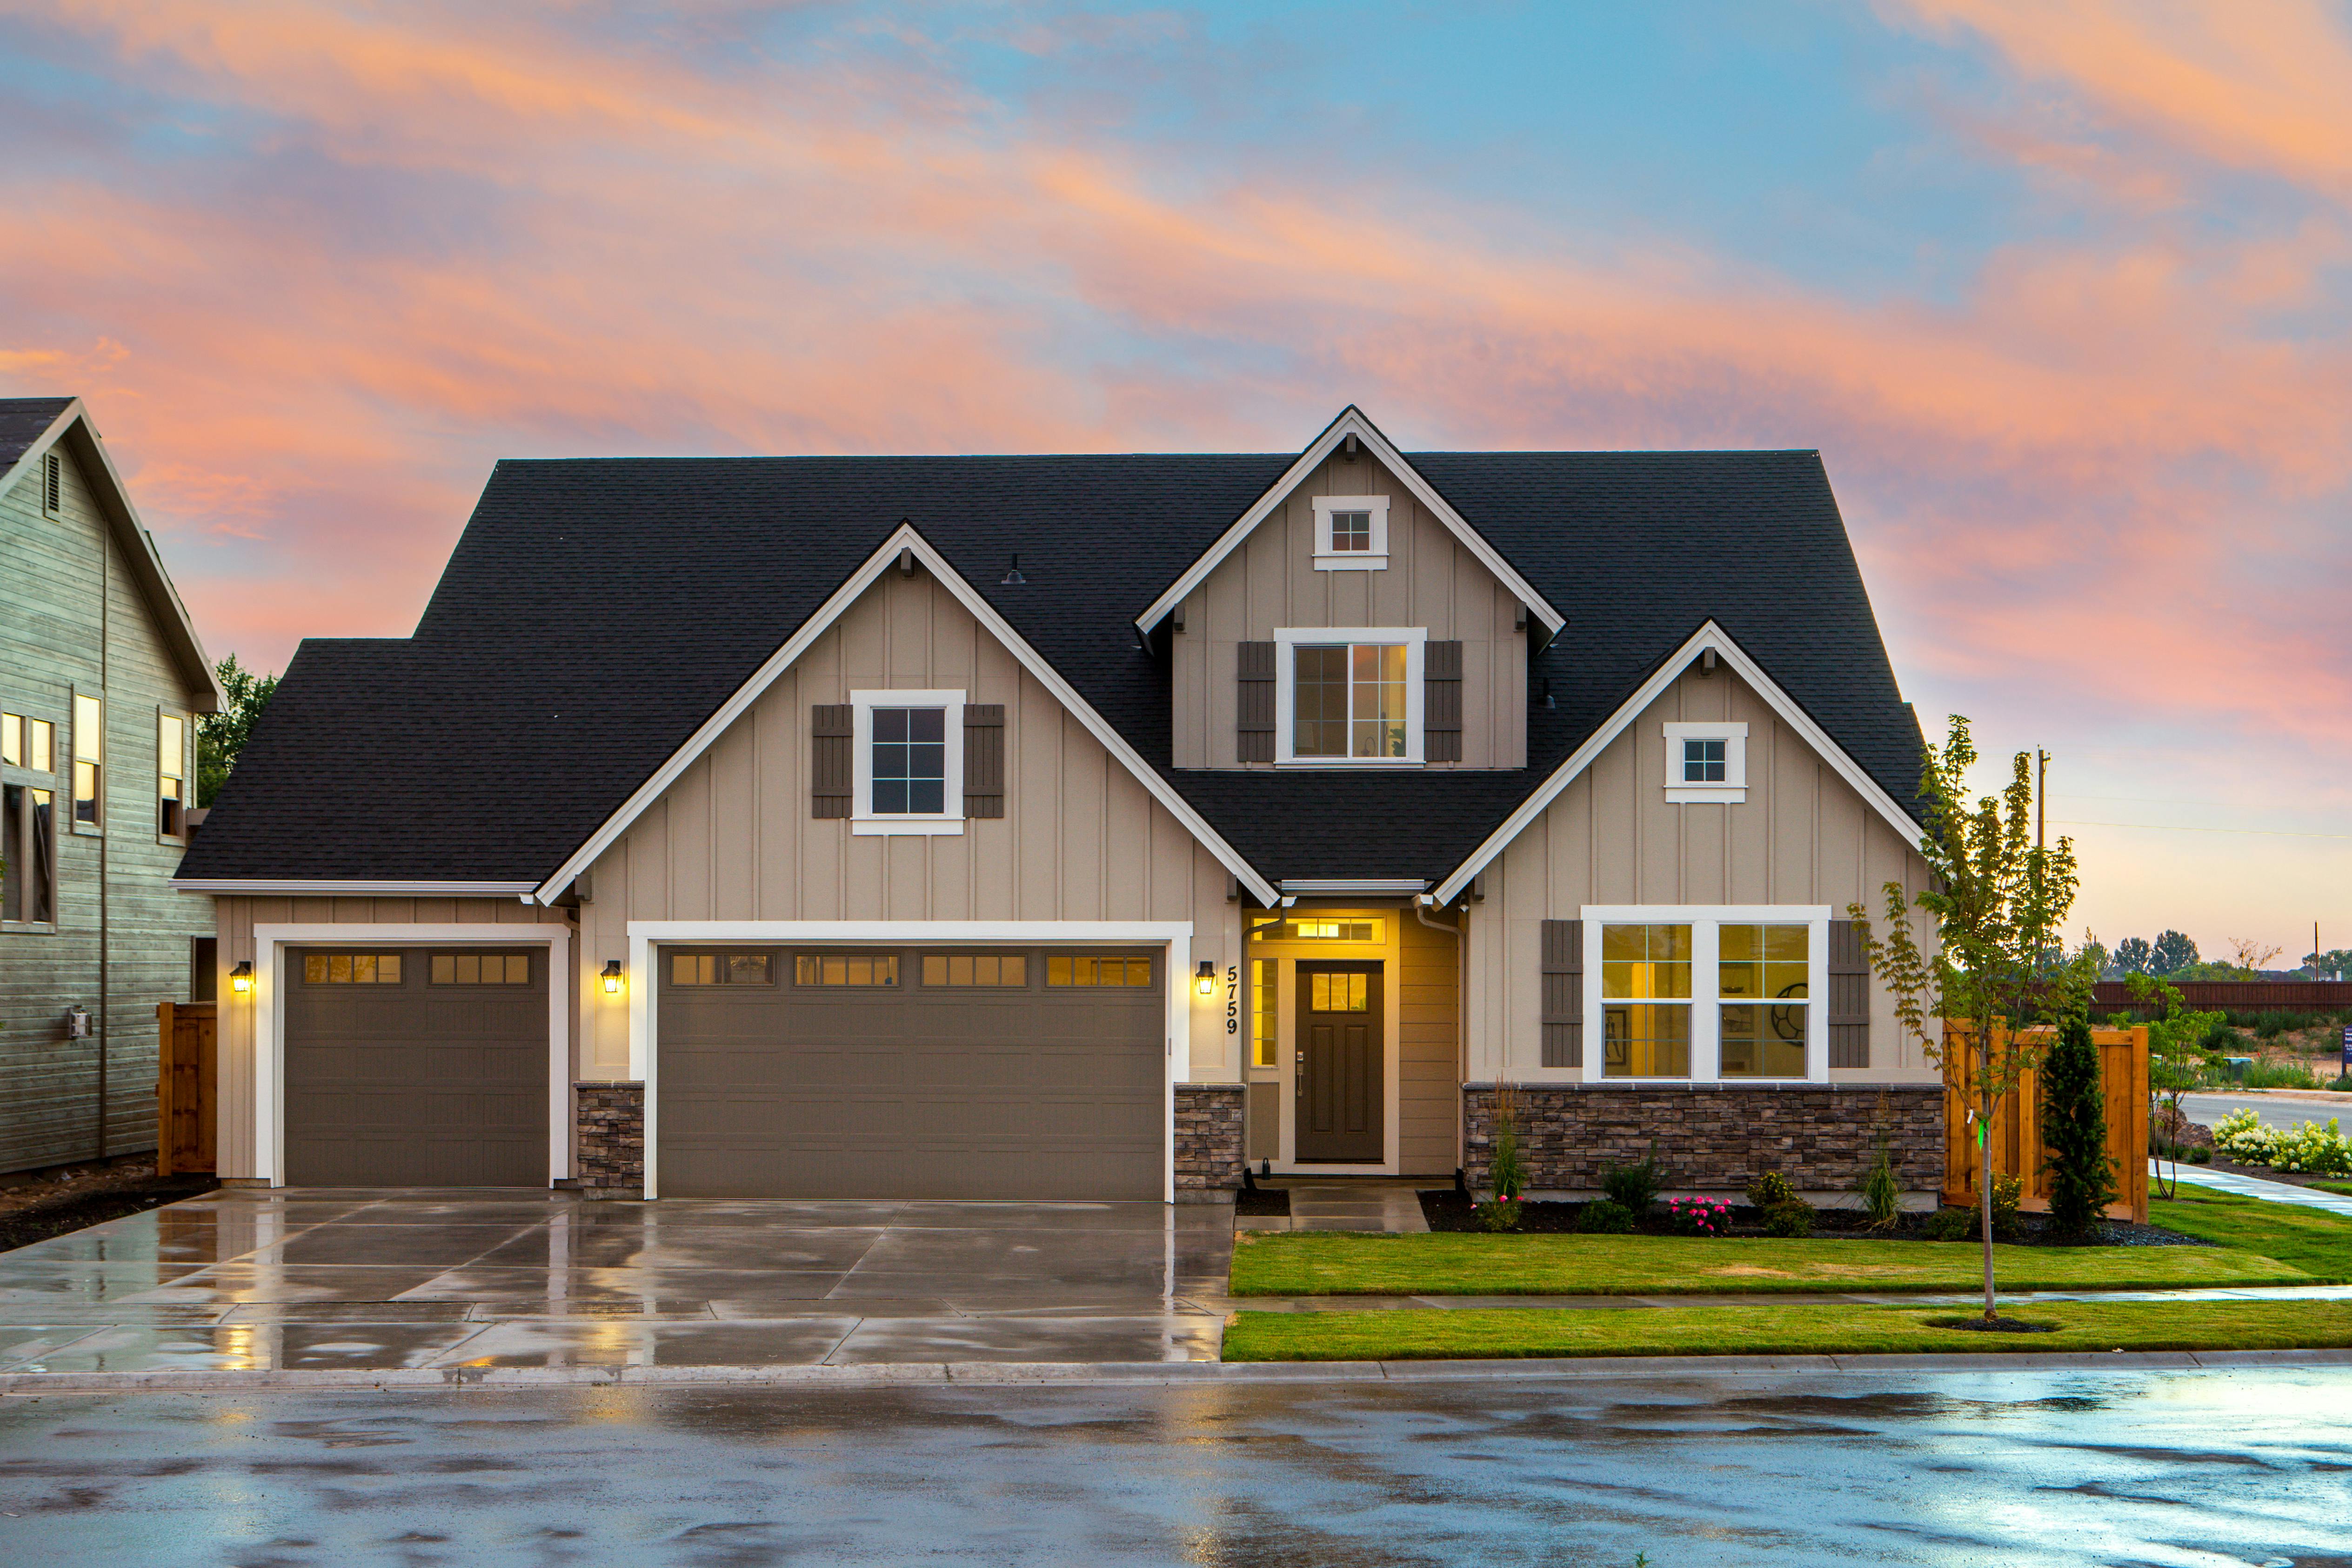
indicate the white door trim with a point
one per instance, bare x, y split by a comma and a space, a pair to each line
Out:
1174, 936
269, 1021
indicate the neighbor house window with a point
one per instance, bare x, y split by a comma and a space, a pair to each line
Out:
171, 775
351, 968
481, 969
975, 969
1356, 700
1351, 533
719, 970
1707, 763
29, 878
88, 746
1646, 986
845, 969
909, 762
1764, 981
1707, 993
1080, 969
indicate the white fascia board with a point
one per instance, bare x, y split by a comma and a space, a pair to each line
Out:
1710, 636
905, 537
225, 886
1353, 886
146, 561
1351, 422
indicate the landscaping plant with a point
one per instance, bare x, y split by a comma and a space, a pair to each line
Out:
1948, 1224
1882, 1197
2314, 1148
2074, 1132
1605, 1217
1999, 901
1509, 1174
1699, 1216
2006, 1192
1633, 1188
1792, 1220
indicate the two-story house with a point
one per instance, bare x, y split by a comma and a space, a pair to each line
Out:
101, 679
1081, 826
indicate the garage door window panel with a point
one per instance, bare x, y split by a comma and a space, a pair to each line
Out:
845, 969
351, 968
1097, 970
481, 969
990, 970
721, 969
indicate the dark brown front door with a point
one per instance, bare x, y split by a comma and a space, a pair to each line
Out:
1340, 1097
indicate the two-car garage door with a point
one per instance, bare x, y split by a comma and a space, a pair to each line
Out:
1004, 1074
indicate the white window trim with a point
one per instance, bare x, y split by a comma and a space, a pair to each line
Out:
1707, 1043
864, 820
1733, 790
1287, 640
1373, 559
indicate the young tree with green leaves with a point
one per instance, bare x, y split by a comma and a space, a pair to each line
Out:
221, 736
2175, 1063
1999, 903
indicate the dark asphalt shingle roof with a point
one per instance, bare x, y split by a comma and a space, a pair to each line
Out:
23, 420
596, 612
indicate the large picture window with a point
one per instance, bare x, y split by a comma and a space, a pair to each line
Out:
1349, 695
1707, 993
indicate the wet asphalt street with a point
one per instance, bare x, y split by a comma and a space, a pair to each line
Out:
2244, 1466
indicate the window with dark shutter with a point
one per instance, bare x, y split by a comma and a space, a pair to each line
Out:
983, 759
1254, 729
1441, 706
1563, 993
832, 775
1849, 996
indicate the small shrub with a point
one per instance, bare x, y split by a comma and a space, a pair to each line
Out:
2006, 1192
2199, 1155
1633, 1188
1509, 1174
2262, 1074
1699, 1215
1948, 1224
1793, 1219
1769, 1191
2316, 1148
1605, 1216
1502, 1213
1881, 1198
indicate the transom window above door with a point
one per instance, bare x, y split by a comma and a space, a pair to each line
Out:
1356, 700
908, 749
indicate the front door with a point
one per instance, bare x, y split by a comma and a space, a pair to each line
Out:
1338, 1090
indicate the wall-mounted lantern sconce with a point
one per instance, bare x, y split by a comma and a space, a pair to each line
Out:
1205, 980
240, 979
77, 1022
612, 976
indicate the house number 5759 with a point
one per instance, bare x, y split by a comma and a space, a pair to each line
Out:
1233, 998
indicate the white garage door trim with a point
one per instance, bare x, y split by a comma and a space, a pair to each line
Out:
1174, 936
269, 1021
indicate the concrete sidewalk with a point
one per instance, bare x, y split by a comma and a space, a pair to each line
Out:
2255, 1186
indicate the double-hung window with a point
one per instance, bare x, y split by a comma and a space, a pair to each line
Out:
88, 761
28, 845
909, 762
1709, 993
1349, 695
171, 775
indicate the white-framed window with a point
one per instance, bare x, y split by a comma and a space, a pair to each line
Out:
1347, 696
1351, 533
907, 754
171, 775
1706, 993
1707, 763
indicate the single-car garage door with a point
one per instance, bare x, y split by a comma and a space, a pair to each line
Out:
915, 1072
416, 1067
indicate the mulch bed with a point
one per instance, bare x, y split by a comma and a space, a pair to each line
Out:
1453, 1210
79, 1196
1262, 1203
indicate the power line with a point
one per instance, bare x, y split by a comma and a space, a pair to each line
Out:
2180, 828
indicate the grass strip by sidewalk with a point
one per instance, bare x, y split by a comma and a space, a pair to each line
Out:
2312, 1239
1783, 1329
1342, 1263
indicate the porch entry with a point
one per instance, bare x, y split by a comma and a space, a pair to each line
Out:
1339, 1097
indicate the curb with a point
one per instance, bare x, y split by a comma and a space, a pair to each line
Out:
1001, 1375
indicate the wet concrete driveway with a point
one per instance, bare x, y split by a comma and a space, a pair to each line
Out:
320, 1279
1998, 1466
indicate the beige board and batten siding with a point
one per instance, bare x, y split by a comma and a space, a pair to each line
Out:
1271, 581
1081, 839
1803, 836
239, 914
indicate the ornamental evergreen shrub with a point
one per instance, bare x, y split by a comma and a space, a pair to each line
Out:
1881, 1197
1792, 1220
1948, 1225
2074, 1132
1633, 1188
1605, 1216
1769, 1191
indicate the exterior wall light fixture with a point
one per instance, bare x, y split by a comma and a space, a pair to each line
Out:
240, 979
1204, 980
612, 975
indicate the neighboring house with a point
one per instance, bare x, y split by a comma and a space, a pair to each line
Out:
1081, 826
100, 678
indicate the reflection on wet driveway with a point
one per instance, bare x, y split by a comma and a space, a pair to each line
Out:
2015, 1468
308, 1279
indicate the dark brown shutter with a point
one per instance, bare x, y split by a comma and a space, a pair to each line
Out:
1563, 993
1254, 730
1849, 996
831, 776
1440, 702
983, 759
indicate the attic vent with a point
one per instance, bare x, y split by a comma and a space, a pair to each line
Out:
52, 482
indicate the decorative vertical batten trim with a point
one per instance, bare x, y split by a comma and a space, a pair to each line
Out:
1849, 1010
1254, 727
1440, 713
1563, 993
832, 769
983, 759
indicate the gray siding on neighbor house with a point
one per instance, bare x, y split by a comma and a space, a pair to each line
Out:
73, 620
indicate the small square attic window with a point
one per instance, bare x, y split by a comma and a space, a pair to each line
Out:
1351, 533
1707, 763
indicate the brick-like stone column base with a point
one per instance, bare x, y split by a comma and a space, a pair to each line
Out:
612, 1120
1715, 1138
1209, 1157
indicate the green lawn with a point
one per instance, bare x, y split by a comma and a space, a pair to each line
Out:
1791, 1328
2336, 1186
2312, 1239
1320, 1263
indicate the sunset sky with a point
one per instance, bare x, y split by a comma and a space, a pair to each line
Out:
2061, 289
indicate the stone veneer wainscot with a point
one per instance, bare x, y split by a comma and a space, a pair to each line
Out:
612, 1130
1208, 1155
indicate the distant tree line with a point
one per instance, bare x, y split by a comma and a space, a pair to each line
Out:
2173, 956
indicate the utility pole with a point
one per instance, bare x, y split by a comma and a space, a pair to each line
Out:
2041, 794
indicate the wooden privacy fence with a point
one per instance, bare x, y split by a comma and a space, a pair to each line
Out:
2016, 1124
187, 1072
2239, 996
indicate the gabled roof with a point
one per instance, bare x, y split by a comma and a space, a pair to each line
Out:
597, 613
32, 426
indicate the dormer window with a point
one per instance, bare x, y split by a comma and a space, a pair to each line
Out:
1351, 533
1349, 695
1707, 763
